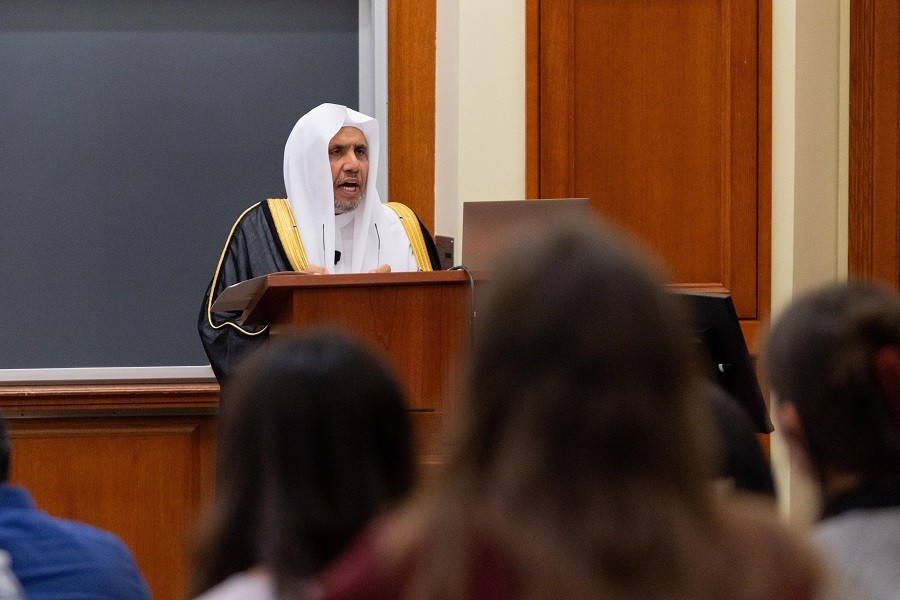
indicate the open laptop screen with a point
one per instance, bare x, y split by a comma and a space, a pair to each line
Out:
487, 227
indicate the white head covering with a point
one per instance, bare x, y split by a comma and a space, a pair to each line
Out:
310, 192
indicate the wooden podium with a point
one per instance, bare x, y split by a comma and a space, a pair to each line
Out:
420, 321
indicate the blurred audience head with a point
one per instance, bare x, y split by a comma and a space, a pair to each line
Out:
585, 456
314, 440
583, 462
833, 362
582, 385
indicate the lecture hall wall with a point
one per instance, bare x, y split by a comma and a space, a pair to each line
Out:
464, 99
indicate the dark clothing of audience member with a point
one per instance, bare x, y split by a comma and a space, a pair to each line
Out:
743, 464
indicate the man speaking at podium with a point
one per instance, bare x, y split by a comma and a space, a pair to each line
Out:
332, 221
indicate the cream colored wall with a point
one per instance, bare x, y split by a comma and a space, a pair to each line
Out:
480, 141
809, 145
480, 107
809, 175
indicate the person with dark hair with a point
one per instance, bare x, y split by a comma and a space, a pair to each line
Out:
583, 462
54, 558
314, 440
833, 362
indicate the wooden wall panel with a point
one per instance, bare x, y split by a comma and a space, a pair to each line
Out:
412, 27
133, 459
874, 168
141, 478
652, 109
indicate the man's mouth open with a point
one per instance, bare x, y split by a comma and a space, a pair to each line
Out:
350, 187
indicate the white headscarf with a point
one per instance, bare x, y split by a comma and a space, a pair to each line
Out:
378, 235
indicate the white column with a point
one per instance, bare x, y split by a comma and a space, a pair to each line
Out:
480, 106
810, 49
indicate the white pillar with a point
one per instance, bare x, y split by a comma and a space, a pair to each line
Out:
480, 106
810, 49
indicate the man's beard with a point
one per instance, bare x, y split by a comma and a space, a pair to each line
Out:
345, 206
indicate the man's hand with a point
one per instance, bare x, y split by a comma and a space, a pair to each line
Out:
314, 270
385, 268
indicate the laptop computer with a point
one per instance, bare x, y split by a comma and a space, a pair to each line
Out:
488, 227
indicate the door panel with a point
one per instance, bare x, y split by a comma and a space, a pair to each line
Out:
650, 109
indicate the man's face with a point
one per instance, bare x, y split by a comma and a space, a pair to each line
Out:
348, 154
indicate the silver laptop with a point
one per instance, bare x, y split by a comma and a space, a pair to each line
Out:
488, 227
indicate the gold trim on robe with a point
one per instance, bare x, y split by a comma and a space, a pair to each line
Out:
215, 280
286, 228
413, 233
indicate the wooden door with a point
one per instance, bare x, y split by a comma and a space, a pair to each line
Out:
136, 459
659, 112
874, 195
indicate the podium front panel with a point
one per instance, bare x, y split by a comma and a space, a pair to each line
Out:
419, 321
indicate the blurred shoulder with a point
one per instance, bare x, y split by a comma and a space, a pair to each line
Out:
778, 560
376, 565
256, 584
